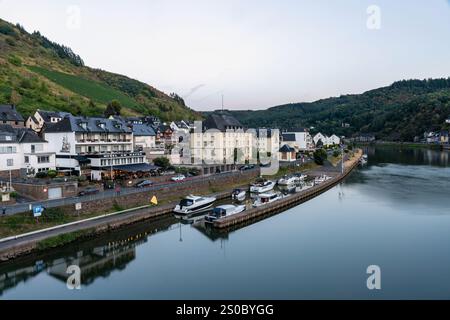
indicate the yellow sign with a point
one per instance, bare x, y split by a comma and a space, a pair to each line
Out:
154, 201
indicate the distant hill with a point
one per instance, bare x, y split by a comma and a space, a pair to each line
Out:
398, 112
38, 73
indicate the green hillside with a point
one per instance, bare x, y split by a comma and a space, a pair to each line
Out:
38, 73
399, 112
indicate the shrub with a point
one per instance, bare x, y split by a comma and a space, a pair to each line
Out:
11, 42
15, 60
52, 174
13, 194
336, 154
41, 175
53, 215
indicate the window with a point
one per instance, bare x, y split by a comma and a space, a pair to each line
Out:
8, 150
9, 162
27, 159
44, 159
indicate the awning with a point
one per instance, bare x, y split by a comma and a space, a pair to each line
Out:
82, 159
140, 167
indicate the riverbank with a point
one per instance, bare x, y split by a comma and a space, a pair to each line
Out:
402, 144
289, 202
56, 236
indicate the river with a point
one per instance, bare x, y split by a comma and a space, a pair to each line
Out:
393, 213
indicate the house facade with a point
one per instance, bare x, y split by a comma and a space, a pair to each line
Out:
94, 145
326, 140
287, 154
222, 140
299, 139
23, 152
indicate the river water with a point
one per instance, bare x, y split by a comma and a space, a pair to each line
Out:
393, 213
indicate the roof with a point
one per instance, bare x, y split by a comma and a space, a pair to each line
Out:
221, 122
143, 130
9, 113
47, 115
92, 124
286, 148
18, 135
288, 136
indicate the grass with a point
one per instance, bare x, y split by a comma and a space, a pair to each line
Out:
93, 90
61, 239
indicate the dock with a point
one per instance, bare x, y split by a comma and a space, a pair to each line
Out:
289, 202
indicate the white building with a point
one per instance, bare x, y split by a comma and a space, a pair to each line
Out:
96, 146
299, 139
23, 152
326, 140
222, 140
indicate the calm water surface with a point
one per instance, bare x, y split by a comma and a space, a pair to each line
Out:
394, 213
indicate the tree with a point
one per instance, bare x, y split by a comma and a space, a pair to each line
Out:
320, 156
162, 162
113, 109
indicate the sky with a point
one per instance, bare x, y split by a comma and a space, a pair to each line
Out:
256, 53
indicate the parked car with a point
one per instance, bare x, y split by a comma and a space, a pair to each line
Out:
143, 184
88, 191
248, 167
179, 177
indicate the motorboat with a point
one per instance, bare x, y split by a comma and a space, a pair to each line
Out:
238, 194
194, 204
287, 180
321, 179
266, 198
262, 186
301, 176
224, 211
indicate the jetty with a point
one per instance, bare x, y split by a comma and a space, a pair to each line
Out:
288, 202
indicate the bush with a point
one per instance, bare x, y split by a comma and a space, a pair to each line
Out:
336, 154
53, 215
41, 175
15, 60
11, 42
13, 194
52, 174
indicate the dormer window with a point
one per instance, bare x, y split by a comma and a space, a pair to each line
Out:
101, 125
83, 125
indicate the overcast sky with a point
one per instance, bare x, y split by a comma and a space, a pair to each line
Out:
257, 53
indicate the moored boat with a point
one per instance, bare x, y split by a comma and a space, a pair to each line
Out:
262, 186
224, 211
238, 194
266, 198
287, 180
194, 204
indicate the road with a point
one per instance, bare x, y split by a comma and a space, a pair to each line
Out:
26, 207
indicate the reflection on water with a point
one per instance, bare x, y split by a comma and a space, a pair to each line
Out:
392, 212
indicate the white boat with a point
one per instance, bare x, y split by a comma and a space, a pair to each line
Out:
301, 177
193, 204
321, 179
262, 186
266, 198
238, 194
224, 211
287, 180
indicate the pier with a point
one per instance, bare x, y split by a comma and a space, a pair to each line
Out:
289, 202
